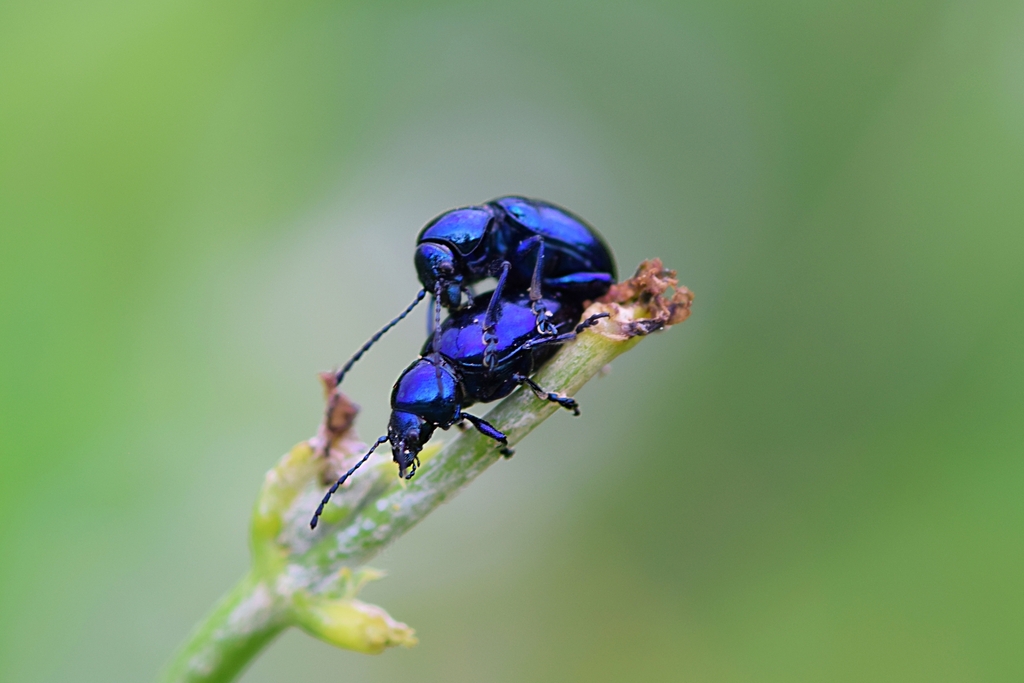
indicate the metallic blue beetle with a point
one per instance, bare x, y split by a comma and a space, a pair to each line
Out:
529, 244
545, 245
457, 369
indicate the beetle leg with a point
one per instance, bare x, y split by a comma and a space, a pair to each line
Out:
589, 322
490, 319
544, 325
566, 336
436, 342
487, 429
536, 244
564, 401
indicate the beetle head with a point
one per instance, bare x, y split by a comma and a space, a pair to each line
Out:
438, 271
408, 433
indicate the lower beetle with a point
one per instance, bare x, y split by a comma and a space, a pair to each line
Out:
459, 367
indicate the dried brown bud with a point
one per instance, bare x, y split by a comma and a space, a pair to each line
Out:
657, 291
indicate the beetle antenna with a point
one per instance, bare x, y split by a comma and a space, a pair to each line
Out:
341, 480
373, 340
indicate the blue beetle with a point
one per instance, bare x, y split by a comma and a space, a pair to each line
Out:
458, 368
529, 244
545, 245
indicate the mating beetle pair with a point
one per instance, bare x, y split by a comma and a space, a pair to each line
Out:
538, 245
548, 263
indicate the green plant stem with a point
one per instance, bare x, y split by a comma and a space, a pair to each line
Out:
309, 578
238, 627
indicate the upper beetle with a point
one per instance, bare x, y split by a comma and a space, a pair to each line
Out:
544, 244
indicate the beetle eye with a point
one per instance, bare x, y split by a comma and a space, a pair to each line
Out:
445, 269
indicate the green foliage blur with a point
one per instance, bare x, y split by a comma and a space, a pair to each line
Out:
819, 477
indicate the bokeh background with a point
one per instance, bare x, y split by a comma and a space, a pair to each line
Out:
819, 477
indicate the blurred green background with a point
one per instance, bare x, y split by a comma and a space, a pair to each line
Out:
818, 477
